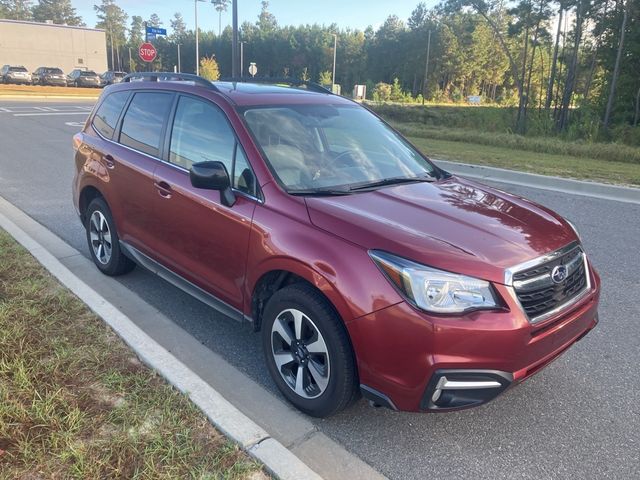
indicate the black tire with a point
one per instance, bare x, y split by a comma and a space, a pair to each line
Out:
117, 263
342, 387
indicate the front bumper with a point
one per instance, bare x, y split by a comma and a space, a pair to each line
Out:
403, 354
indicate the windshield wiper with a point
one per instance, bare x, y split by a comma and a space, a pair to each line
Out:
320, 192
390, 181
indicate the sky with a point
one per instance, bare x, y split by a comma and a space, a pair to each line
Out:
345, 13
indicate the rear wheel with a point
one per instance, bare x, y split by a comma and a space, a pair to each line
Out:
308, 352
103, 240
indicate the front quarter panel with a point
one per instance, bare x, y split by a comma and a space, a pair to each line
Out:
283, 239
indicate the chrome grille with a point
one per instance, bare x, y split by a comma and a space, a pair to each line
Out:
537, 292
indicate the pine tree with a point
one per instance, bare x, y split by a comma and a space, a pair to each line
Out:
16, 9
178, 26
60, 12
113, 20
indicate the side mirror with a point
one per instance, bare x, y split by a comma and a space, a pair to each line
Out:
213, 176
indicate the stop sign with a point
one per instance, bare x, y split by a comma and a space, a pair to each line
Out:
147, 52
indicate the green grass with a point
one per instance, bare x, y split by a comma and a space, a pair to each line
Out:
606, 152
542, 163
75, 402
493, 125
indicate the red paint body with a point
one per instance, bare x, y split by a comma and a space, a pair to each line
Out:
453, 224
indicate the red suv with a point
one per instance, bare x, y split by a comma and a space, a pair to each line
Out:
369, 270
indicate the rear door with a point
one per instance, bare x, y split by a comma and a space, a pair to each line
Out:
198, 237
136, 155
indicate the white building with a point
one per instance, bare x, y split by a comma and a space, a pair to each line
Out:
36, 45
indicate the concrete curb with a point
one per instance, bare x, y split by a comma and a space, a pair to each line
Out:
544, 182
277, 459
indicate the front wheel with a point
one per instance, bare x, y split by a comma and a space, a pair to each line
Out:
308, 352
103, 240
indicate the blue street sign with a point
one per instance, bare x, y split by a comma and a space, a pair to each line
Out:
156, 31
151, 36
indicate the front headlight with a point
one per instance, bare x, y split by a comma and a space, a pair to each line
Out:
435, 290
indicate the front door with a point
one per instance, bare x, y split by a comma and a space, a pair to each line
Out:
199, 238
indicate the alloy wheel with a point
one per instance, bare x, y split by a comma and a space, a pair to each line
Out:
300, 353
100, 236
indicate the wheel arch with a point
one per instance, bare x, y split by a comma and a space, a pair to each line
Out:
87, 195
282, 272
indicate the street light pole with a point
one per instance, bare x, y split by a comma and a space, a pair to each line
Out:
195, 5
113, 61
335, 47
179, 66
234, 42
242, 59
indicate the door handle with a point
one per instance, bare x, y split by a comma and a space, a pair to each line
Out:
164, 189
109, 161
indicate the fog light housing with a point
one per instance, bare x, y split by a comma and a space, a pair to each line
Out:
455, 389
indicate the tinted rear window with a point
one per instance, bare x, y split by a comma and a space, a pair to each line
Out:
142, 124
56, 71
108, 113
17, 69
88, 74
119, 74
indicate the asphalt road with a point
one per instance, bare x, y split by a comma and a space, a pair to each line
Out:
579, 418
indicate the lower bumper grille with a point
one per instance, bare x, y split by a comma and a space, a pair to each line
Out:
547, 288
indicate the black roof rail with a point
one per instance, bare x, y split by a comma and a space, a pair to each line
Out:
293, 82
170, 77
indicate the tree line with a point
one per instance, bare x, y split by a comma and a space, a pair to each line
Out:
576, 61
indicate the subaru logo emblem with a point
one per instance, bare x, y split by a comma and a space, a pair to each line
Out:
559, 274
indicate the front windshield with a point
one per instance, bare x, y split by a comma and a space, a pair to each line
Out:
319, 147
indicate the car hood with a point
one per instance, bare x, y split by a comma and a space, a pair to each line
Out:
453, 224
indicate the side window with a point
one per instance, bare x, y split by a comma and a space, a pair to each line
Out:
108, 113
142, 124
200, 133
243, 178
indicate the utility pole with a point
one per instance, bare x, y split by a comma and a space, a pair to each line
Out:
234, 43
195, 4
113, 61
179, 66
242, 59
426, 68
130, 61
335, 47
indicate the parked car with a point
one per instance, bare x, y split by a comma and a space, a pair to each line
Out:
15, 74
84, 78
110, 77
366, 267
49, 76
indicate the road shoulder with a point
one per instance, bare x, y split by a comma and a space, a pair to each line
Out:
544, 182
